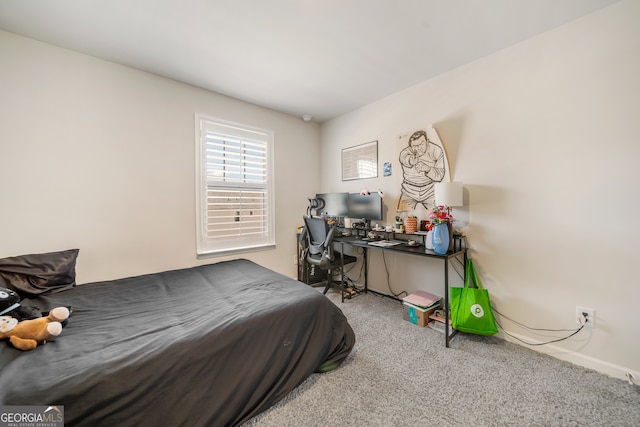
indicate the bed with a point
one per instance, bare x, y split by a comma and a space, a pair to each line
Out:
210, 345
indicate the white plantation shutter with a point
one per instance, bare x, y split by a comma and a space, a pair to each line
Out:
235, 209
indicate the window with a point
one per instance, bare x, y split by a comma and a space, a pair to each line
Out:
234, 202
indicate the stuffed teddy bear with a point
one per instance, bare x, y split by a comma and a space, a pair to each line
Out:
27, 334
25, 326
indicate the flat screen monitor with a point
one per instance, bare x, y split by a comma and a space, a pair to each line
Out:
365, 207
335, 204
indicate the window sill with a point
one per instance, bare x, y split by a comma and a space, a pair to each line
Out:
233, 251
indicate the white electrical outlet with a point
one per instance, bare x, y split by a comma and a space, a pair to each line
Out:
590, 316
295, 259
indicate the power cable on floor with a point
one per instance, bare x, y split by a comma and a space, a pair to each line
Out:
542, 343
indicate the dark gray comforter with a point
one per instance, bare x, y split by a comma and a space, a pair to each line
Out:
207, 346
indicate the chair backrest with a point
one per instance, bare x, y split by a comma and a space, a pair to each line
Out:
319, 237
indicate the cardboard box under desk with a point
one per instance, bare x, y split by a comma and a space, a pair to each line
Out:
416, 315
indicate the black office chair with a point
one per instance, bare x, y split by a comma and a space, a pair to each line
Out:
321, 253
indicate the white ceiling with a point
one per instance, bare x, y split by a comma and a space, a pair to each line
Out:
317, 57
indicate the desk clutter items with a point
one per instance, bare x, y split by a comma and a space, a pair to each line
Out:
436, 321
471, 307
418, 306
399, 225
384, 243
410, 224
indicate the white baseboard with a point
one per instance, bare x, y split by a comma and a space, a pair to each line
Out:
589, 362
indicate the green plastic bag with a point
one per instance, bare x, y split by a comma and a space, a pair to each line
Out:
470, 306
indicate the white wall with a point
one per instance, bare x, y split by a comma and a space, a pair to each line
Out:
101, 157
544, 136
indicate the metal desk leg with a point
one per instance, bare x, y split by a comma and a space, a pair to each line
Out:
448, 337
365, 260
446, 302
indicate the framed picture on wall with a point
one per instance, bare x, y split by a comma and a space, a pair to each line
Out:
360, 161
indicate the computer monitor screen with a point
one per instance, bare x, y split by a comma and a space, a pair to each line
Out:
366, 207
335, 204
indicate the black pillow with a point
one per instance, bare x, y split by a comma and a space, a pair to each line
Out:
38, 274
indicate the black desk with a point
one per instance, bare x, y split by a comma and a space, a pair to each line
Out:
420, 251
